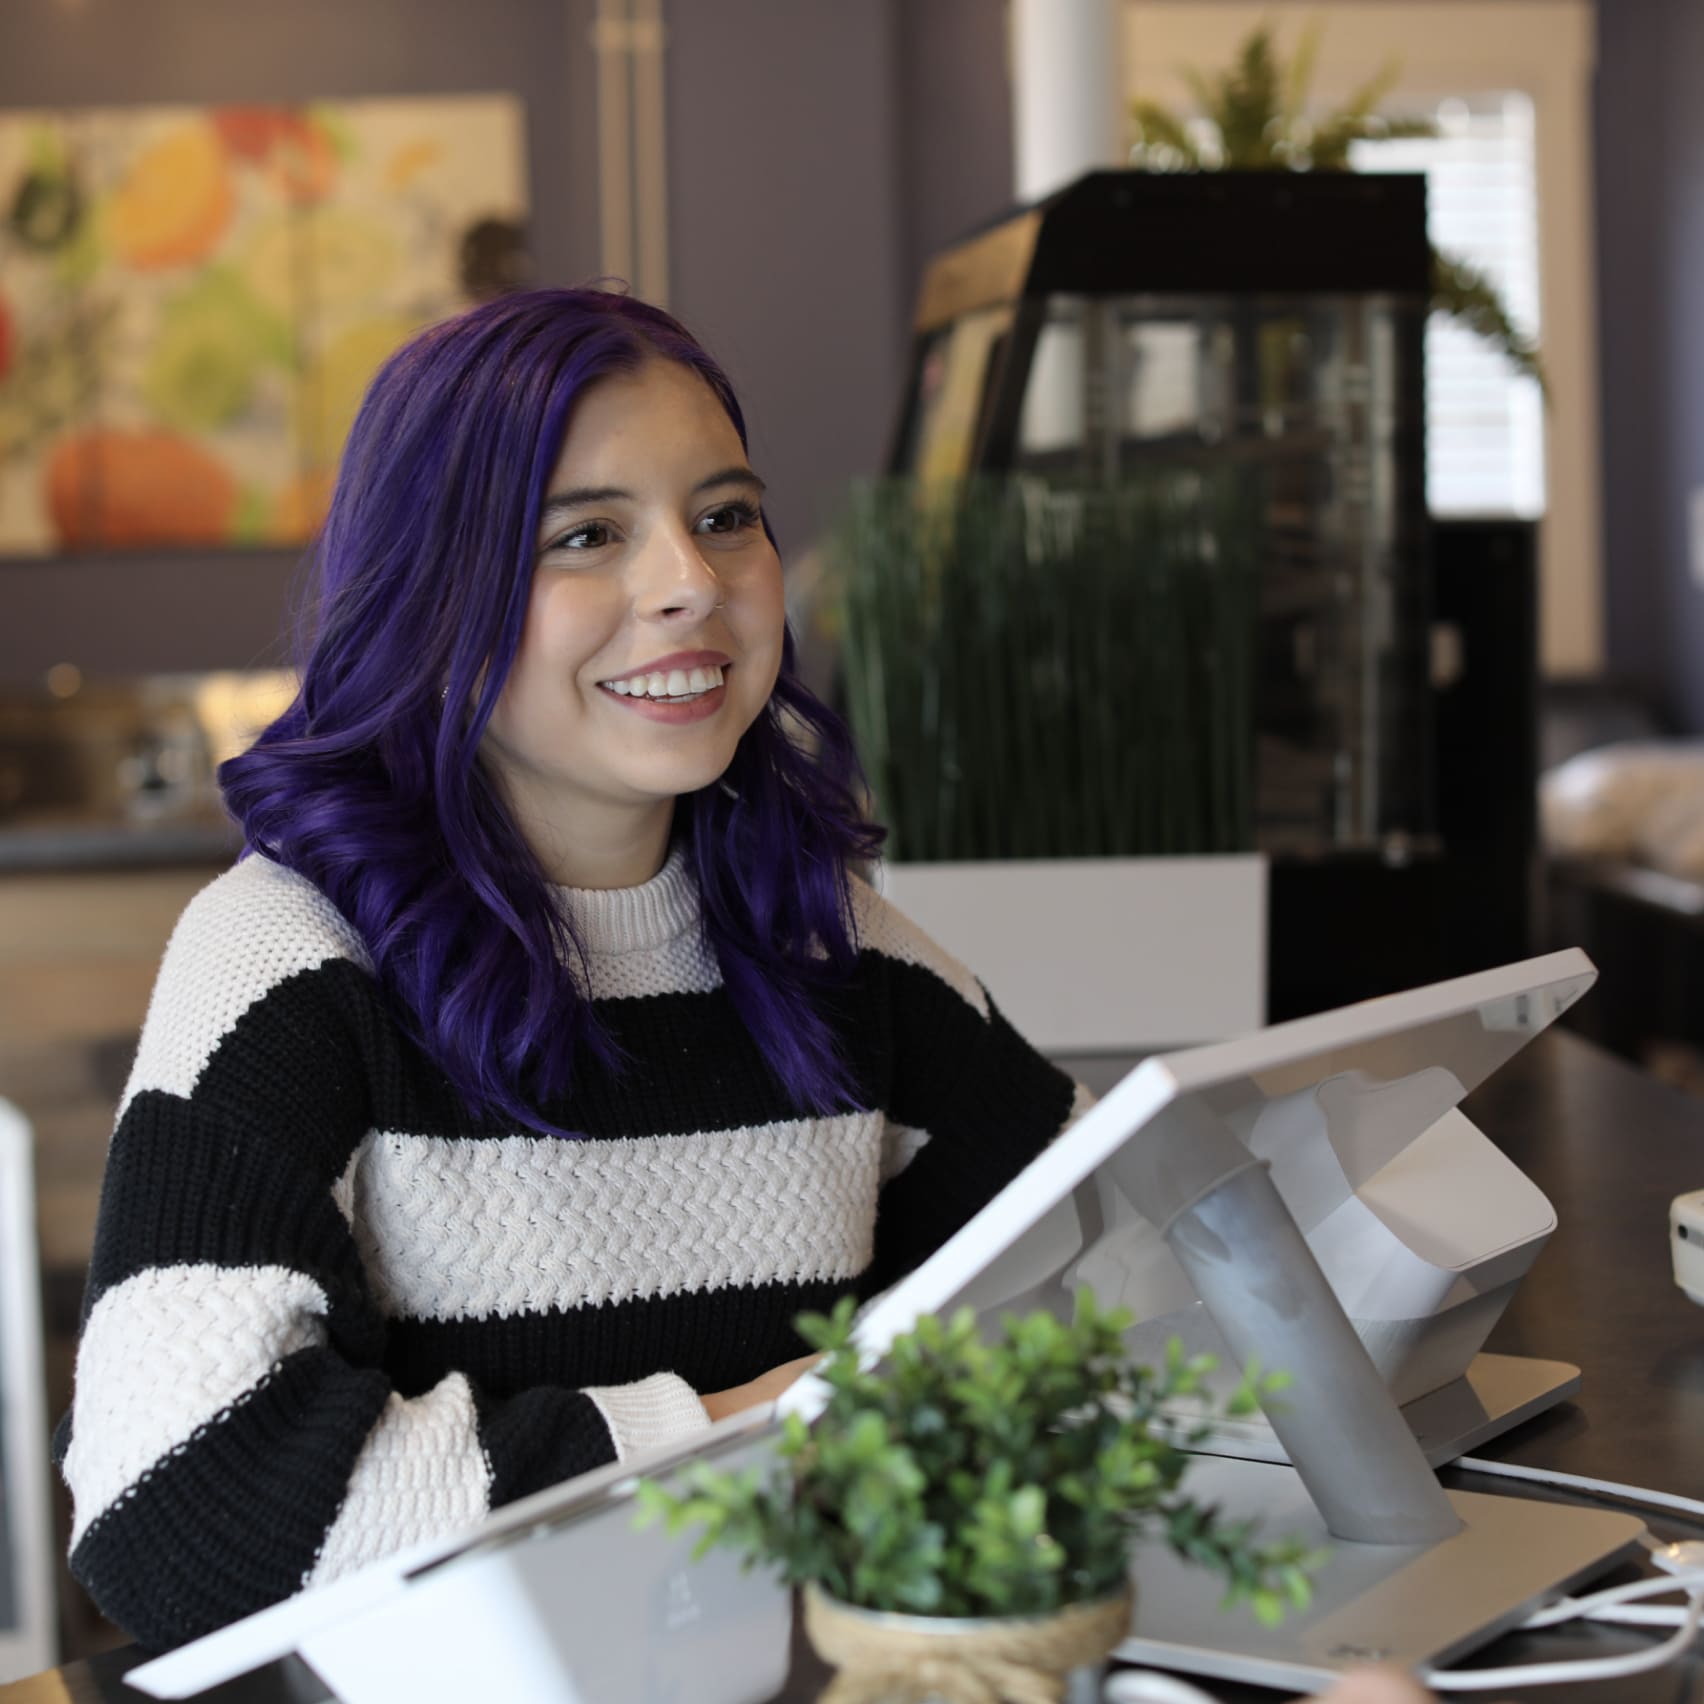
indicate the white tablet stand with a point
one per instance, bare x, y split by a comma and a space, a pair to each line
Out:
1244, 1191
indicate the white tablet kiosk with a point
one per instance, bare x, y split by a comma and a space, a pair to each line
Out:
1311, 1197
1231, 1193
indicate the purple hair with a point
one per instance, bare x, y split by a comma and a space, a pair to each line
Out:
367, 786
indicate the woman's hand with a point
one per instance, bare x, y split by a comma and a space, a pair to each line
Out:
764, 1388
1378, 1686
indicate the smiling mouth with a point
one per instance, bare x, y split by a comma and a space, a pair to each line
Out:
667, 686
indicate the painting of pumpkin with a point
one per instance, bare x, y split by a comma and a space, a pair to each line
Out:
193, 299
248, 132
293, 146
175, 201
108, 489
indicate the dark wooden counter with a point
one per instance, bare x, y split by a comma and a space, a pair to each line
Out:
1611, 1147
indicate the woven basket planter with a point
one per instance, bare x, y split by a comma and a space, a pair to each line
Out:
929, 1659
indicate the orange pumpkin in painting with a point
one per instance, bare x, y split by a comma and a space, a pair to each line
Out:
174, 202
305, 161
248, 132
289, 144
112, 490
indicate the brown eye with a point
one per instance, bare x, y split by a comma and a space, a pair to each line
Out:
590, 535
729, 518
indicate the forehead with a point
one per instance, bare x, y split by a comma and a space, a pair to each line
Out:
662, 416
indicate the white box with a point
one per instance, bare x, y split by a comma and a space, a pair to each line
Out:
1103, 955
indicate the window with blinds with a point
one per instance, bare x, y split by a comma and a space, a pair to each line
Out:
1485, 438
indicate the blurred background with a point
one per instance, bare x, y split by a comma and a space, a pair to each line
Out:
1255, 432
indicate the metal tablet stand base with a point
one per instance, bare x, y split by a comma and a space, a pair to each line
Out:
1417, 1575
1429, 1603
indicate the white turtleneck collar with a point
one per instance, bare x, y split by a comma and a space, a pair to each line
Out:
609, 921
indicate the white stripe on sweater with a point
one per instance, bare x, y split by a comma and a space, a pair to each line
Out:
164, 1353
450, 1228
248, 931
421, 1472
649, 1413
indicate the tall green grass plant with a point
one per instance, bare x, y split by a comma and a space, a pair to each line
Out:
1037, 669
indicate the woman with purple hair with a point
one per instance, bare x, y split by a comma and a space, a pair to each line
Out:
496, 1116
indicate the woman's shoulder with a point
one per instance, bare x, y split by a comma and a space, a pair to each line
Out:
261, 921
881, 927
244, 939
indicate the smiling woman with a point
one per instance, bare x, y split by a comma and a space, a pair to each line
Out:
498, 1114
653, 569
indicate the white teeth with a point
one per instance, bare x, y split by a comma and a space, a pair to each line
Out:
677, 683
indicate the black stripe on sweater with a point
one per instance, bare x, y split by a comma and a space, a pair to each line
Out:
539, 1438
991, 1116
688, 1063
710, 1338
331, 1060
185, 1188
232, 1519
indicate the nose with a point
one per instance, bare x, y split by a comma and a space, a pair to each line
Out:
674, 582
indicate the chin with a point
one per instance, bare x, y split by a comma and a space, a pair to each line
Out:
682, 779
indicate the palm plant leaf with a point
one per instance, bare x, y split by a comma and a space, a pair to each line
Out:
1366, 99
1258, 109
1332, 141
1299, 78
1206, 93
1462, 291
1162, 138
1250, 109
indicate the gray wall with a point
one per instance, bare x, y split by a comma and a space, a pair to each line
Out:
1650, 183
818, 149
785, 254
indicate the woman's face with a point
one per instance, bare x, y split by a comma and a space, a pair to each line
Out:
653, 635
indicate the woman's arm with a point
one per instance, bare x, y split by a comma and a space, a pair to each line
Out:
971, 1102
235, 1433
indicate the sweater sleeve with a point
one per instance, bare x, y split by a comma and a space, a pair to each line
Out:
234, 1435
971, 1102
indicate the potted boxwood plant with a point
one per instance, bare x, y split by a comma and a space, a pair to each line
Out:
961, 1516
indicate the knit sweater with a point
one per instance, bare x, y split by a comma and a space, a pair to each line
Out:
331, 1312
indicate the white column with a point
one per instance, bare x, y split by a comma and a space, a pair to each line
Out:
1068, 113
1067, 119
632, 189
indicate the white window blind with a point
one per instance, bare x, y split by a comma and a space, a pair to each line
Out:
1485, 444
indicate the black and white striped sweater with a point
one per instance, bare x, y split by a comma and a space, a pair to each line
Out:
330, 1313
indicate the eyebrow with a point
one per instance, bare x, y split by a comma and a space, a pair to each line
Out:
583, 496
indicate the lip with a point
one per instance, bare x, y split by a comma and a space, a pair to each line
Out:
674, 660
698, 709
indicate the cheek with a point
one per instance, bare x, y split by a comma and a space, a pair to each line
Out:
766, 618
558, 638
568, 624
